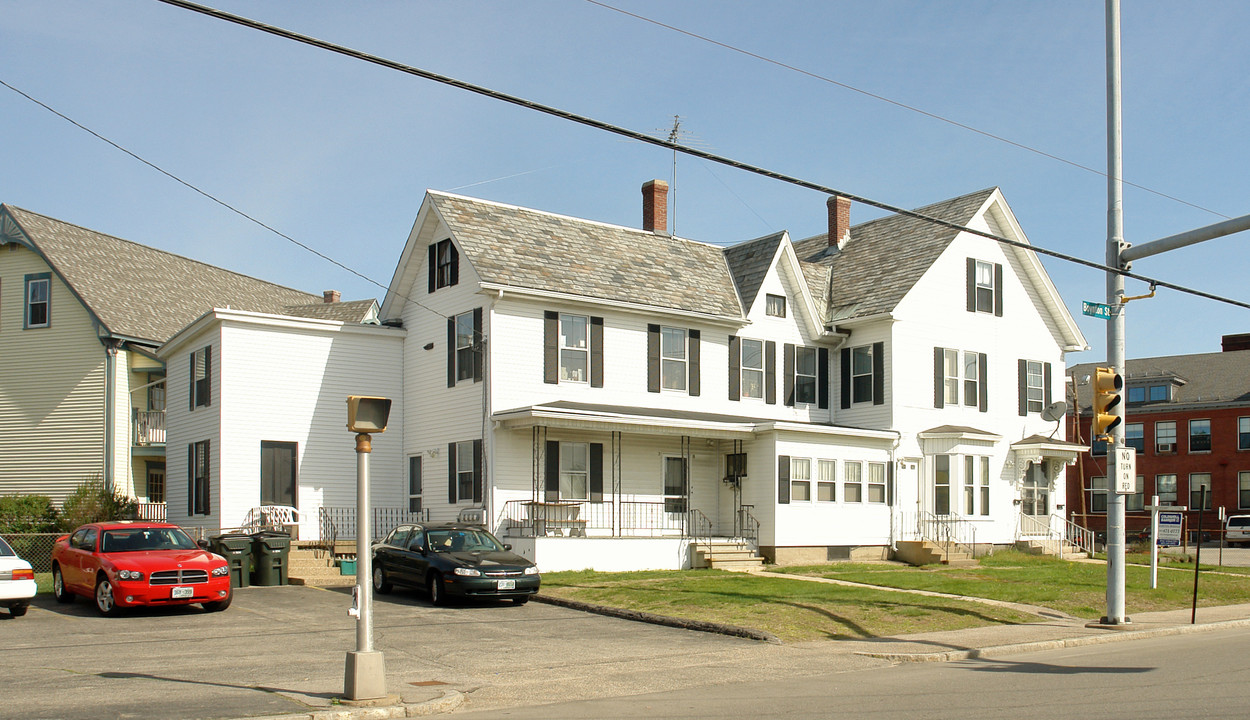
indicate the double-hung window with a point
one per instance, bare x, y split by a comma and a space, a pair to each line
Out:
1197, 482
876, 482
201, 377
465, 347
861, 374
775, 305
1243, 433
464, 471
574, 471
853, 485
1135, 436
1165, 488
1199, 436
956, 371
970, 485
1136, 501
826, 481
800, 479
752, 368
1098, 495
673, 358
805, 375
942, 485
950, 376
1165, 437
1035, 388
197, 474
38, 300
415, 482
444, 265
985, 486
985, 287
1243, 490
574, 349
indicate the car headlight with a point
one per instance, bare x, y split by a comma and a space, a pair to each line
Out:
531, 570
221, 571
129, 575
468, 571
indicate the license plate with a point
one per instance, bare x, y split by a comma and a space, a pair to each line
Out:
506, 585
181, 592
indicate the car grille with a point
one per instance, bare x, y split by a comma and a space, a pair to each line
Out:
178, 577
503, 573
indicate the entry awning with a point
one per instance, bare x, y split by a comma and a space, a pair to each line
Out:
1040, 449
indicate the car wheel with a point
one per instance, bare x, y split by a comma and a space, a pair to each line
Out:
62, 593
521, 599
438, 591
380, 583
18, 610
219, 605
105, 601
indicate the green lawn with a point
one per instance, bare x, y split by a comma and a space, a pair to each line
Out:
802, 610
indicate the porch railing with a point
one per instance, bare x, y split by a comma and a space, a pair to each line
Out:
529, 518
154, 511
1040, 530
1079, 537
946, 531
700, 528
339, 523
149, 427
748, 525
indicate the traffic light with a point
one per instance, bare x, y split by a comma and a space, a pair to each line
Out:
1107, 386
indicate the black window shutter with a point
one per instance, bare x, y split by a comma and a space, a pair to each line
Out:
983, 384
551, 347
972, 284
596, 352
1022, 386
653, 358
477, 471
846, 377
191, 394
783, 479
693, 361
889, 487
1046, 384
191, 479
998, 289
208, 375
735, 368
451, 352
878, 373
455, 264
787, 374
596, 472
206, 506
433, 263
822, 378
479, 354
939, 377
770, 372
451, 473
551, 478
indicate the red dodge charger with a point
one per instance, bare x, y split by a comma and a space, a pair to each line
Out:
125, 563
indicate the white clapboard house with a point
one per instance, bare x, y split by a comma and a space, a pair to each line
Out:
618, 398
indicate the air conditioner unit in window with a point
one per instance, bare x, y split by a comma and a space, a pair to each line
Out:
1165, 447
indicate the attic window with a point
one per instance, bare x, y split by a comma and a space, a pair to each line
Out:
37, 287
775, 305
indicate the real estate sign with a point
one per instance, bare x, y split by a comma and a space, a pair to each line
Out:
1169, 529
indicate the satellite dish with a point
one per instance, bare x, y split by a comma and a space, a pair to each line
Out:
1055, 411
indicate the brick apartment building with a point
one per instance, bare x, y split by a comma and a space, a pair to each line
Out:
1188, 416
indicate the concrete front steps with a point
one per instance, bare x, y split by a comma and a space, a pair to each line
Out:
1041, 547
923, 552
726, 555
308, 566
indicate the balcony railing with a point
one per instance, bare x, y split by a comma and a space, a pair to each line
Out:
149, 427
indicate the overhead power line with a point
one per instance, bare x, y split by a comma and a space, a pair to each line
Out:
664, 143
896, 103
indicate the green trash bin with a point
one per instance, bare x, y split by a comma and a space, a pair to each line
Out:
269, 557
237, 549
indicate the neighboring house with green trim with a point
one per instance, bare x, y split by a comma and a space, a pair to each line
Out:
82, 392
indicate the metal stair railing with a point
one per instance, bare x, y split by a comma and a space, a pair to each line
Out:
700, 528
945, 531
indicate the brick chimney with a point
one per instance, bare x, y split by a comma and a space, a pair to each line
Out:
331, 296
655, 206
839, 221
1229, 343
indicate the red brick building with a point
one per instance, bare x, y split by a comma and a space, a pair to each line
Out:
1188, 416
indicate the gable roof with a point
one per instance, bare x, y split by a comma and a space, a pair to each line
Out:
1200, 378
522, 248
134, 291
887, 256
749, 262
351, 311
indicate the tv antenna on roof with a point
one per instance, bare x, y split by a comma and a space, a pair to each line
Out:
678, 136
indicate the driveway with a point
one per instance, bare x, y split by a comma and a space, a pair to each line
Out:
277, 646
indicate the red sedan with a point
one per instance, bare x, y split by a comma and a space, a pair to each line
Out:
125, 564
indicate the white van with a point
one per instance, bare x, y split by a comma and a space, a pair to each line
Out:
1237, 530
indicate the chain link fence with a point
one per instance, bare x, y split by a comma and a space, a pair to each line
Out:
34, 548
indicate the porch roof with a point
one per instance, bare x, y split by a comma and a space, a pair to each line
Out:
659, 421
1048, 447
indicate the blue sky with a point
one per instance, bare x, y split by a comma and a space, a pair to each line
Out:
337, 153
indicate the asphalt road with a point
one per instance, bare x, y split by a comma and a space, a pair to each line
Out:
1203, 675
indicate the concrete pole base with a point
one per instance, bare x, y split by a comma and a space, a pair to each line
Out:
365, 676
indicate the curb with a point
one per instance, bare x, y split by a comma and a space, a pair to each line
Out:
654, 619
451, 700
1040, 645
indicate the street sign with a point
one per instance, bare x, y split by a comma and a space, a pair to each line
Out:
1098, 310
1169, 529
1125, 470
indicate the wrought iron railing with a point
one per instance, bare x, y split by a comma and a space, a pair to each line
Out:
339, 523
700, 529
149, 427
529, 518
946, 531
748, 527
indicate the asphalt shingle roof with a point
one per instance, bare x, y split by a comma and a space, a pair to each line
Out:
749, 262
1218, 377
887, 256
352, 311
140, 292
525, 248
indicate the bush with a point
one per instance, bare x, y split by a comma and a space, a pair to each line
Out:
92, 502
27, 514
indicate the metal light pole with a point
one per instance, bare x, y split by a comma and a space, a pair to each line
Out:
365, 673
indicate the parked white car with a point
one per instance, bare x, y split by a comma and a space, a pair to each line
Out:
1237, 530
17, 581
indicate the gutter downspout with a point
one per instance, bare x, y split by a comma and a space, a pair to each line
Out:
110, 387
893, 487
